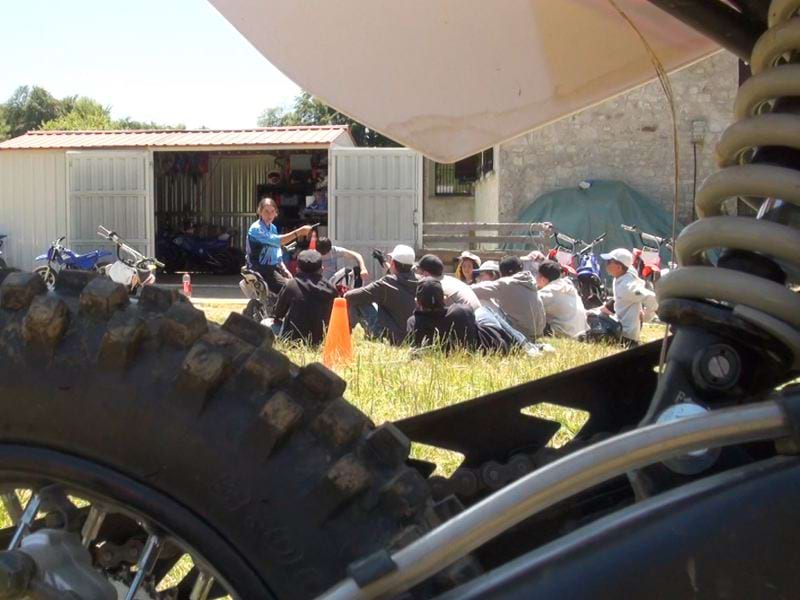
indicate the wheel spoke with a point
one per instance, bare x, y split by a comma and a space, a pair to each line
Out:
146, 562
91, 527
25, 521
202, 587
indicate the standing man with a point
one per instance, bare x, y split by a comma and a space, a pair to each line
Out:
633, 302
515, 293
384, 306
263, 249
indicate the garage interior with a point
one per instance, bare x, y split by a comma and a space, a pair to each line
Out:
206, 200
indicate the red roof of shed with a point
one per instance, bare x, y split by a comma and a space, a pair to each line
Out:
153, 138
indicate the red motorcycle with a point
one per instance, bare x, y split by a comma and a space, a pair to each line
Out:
647, 259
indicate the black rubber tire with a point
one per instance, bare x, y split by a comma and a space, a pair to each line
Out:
296, 480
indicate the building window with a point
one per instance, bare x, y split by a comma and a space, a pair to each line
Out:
458, 179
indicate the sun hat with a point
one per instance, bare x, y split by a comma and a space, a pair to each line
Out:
473, 257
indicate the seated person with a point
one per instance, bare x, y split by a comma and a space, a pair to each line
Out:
488, 271
263, 246
633, 302
563, 307
384, 306
306, 301
450, 327
455, 291
336, 257
515, 294
467, 263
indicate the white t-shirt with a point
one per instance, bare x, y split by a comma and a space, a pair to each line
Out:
631, 296
336, 259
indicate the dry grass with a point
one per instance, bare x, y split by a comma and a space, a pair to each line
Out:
388, 383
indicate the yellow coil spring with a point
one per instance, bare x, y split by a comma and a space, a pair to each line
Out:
771, 306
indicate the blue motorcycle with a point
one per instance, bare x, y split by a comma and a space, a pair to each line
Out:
60, 257
3, 264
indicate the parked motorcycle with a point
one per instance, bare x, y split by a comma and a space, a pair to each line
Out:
3, 264
647, 259
59, 257
132, 268
187, 252
580, 262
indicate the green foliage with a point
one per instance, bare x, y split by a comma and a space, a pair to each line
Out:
31, 108
4, 128
307, 110
84, 114
129, 123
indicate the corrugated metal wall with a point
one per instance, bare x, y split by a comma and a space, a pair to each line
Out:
33, 203
224, 196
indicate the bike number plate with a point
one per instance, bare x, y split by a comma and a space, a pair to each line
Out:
564, 258
651, 258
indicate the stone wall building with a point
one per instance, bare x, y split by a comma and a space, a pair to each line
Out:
627, 138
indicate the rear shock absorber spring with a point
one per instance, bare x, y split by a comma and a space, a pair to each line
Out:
737, 320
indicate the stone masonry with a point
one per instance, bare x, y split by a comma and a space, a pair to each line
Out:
628, 138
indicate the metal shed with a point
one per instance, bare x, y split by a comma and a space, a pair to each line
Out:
55, 183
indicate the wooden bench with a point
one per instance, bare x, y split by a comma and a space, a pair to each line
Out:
484, 239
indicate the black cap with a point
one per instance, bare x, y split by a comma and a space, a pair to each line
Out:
432, 264
430, 294
550, 270
309, 261
510, 265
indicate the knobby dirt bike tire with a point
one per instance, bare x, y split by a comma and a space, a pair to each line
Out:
299, 483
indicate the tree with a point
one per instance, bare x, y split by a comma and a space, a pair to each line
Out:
85, 114
4, 128
28, 108
307, 110
129, 123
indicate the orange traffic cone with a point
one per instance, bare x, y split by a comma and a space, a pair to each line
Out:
338, 347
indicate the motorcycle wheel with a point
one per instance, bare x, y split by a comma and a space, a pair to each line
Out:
48, 275
281, 484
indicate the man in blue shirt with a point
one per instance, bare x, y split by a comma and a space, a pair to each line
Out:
264, 245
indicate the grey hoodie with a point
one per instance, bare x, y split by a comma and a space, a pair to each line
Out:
518, 298
564, 308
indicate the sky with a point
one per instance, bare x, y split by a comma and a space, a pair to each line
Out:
169, 61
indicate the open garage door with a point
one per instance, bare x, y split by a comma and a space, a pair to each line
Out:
375, 199
113, 189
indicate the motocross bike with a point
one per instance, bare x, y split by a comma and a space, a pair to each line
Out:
578, 259
135, 436
186, 252
2, 261
60, 258
647, 258
132, 269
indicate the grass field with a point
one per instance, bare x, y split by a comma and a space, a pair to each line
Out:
388, 384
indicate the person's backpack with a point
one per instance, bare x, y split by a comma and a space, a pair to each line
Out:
602, 328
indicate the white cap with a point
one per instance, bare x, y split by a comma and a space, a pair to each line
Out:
621, 255
403, 254
489, 266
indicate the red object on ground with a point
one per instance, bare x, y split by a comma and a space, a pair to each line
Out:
187, 285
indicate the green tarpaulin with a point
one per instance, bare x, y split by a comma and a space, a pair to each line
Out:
586, 214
